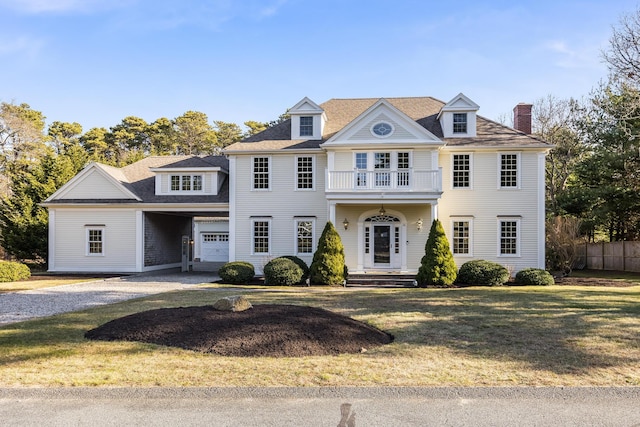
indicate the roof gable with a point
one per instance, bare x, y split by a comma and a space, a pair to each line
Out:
306, 106
460, 102
95, 179
404, 128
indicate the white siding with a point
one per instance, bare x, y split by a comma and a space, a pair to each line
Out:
92, 185
487, 204
119, 240
281, 203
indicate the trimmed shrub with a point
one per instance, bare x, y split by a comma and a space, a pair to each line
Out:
437, 265
282, 272
300, 263
237, 272
534, 276
481, 272
10, 271
328, 267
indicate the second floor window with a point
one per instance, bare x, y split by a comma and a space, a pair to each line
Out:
304, 173
306, 126
508, 170
461, 171
459, 122
260, 173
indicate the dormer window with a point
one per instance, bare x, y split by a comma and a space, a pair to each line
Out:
460, 123
186, 182
306, 126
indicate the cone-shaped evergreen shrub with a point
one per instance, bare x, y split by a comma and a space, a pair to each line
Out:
437, 265
327, 267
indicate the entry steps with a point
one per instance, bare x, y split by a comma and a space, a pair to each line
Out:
381, 280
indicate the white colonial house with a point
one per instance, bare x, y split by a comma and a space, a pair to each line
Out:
380, 169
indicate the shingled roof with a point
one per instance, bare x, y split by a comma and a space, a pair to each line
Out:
139, 179
424, 110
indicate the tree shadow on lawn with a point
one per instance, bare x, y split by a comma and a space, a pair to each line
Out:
549, 329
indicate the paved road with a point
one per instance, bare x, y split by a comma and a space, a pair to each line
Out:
25, 305
302, 407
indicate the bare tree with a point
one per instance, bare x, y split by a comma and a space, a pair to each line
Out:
623, 55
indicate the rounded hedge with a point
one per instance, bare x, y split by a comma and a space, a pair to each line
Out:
10, 271
300, 263
282, 272
237, 272
483, 273
534, 276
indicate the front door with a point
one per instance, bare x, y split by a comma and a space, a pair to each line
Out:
382, 245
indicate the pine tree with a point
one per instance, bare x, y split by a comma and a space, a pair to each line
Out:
328, 267
437, 265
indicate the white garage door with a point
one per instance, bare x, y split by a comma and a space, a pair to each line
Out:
215, 247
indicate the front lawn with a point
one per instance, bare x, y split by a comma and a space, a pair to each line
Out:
503, 336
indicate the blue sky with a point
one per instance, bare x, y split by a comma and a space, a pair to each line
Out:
98, 61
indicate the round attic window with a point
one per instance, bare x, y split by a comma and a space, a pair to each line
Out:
382, 129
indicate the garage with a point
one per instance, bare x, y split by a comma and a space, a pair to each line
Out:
214, 247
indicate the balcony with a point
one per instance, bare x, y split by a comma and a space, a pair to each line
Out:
360, 181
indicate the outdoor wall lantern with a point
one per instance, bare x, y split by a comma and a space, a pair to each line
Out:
419, 224
345, 223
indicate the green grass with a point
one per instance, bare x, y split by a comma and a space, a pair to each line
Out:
555, 335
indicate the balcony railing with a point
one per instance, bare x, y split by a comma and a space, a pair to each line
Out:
385, 180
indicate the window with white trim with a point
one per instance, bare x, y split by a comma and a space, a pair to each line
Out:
509, 237
95, 241
306, 126
403, 169
361, 166
509, 170
461, 170
461, 241
261, 173
459, 122
304, 172
304, 235
261, 236
186, 183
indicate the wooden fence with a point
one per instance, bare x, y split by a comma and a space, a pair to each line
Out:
620, 256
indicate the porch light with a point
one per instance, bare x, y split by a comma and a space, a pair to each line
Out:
382, 211
419, 224
345, 223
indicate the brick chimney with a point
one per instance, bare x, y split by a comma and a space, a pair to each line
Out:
522, 117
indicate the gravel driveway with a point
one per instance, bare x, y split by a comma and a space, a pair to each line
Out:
25, 305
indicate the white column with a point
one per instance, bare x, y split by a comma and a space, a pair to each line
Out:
52, 240
139, 241
232, 208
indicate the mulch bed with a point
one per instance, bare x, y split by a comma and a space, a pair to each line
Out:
593, 281
271, 330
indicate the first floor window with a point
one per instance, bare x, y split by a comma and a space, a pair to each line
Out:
461, 236
261, 236
304, 236
95, 242
508, 237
